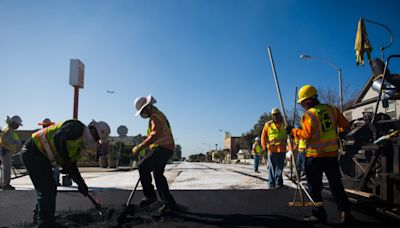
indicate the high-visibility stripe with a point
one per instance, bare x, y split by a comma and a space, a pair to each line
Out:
324, 137
45, 145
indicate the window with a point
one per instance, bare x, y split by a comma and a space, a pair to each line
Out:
369, 109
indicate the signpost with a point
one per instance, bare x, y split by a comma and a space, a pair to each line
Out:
76, 79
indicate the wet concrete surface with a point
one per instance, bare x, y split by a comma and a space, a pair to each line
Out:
206, 208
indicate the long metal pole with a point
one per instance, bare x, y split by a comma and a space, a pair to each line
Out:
299, 186
277, 85
340, 89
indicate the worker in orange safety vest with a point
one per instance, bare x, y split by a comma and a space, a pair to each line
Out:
273, 140
321, 124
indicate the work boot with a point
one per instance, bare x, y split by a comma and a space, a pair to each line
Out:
346, 217
8, 187
147, 201
315, 219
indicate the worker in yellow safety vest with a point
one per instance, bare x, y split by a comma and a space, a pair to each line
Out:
321, 124
257, 153
273, 140
59, 144
300, 150
161, 145
9, 145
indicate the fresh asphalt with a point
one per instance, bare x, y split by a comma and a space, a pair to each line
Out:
233, 205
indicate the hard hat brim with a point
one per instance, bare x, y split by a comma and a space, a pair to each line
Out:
148, 101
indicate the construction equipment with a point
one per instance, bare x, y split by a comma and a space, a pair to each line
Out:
300, 187
370, 160
129, 209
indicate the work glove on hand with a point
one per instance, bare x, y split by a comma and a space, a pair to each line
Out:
288, 129
136, 149
66, 167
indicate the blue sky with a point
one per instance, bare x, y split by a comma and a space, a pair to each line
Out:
205, 61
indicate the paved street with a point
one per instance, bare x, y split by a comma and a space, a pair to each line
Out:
215, 195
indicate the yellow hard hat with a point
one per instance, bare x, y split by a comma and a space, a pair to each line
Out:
305, 92
275, 111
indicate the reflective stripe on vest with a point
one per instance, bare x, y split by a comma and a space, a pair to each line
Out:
44, 141
275, 136
167, 138
323, 142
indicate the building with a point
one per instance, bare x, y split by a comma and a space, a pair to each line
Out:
232, 145
366, 102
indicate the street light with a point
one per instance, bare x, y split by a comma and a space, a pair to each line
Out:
337, 68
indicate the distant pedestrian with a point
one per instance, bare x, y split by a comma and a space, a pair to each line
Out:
257, 153
320, 126
273, 140
59, 144
10, 144
161, 144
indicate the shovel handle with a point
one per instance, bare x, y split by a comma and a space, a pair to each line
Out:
96, 204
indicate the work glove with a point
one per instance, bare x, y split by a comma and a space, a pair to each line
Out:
136, 149
342, 135
288, 129
66, 167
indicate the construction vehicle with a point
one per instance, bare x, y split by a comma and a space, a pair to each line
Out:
370, 158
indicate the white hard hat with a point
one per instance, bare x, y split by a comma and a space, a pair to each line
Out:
275, 111
103, 129
257, 138
15, 119
142, 102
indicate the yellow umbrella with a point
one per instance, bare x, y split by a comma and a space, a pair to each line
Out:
362, 44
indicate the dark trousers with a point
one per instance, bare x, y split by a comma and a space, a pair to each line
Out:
155, 162
314, 168
41, 174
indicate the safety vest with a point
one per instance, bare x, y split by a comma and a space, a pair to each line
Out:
44, 141
3, 143
323, 141
276, 136
166, 137
257, 149
302, 144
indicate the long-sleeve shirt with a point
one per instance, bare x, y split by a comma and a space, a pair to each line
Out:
308, 129
267, 145
159, 132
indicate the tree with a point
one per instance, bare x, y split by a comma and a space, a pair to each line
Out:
177, 153
331, 96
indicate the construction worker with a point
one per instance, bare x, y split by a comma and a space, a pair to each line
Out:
56, 170
300, 149
161, 144
257, 153
10, 144
273, 140
59, 144
320, 125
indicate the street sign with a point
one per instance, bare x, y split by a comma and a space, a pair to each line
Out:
76, 73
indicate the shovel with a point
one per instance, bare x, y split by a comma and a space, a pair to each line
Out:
96, 204
129, 209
